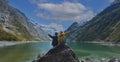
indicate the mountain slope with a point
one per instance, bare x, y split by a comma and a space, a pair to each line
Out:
7, 36
104, 26
16, 23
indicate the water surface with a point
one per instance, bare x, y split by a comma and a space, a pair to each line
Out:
28, 52
23, 52
95, 51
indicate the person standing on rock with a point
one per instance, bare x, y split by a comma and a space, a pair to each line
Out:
61, 37
54, 39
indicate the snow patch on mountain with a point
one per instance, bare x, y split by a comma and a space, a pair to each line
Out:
51, 28
116, 1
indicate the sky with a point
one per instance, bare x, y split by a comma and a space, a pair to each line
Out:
60, 13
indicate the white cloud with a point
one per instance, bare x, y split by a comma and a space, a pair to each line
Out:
66, 11
110, 0
65, 7
56, 27
38, 1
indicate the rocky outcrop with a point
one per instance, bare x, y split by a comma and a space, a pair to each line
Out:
61, 53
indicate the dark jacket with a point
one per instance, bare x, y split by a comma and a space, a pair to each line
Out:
54, 40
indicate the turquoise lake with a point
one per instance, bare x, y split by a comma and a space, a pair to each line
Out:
29, 51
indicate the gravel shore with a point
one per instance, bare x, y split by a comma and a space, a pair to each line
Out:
100, 60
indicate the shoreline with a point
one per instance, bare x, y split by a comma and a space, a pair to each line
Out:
7, 43
105, 43
10, 43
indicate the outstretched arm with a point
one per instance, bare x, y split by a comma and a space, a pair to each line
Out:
50, 36
66, 33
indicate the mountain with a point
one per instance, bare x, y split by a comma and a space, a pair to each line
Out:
15, 23
116, 1
51, 28
44, 30
103, 27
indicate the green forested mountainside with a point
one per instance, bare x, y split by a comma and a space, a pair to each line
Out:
104, 26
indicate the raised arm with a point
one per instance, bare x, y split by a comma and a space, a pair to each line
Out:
50, 36
65, 33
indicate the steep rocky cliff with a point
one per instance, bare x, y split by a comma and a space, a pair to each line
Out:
104, 26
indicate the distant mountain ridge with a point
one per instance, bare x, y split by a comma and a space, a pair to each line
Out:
103, 27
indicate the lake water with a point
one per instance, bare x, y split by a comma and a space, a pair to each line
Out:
29, 51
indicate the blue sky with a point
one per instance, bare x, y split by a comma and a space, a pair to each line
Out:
61, 12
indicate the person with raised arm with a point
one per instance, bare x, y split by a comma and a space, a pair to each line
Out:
54, 39
61, 37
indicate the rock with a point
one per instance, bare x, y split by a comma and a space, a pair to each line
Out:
113, 60
88, 60
60, 53
100, 60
